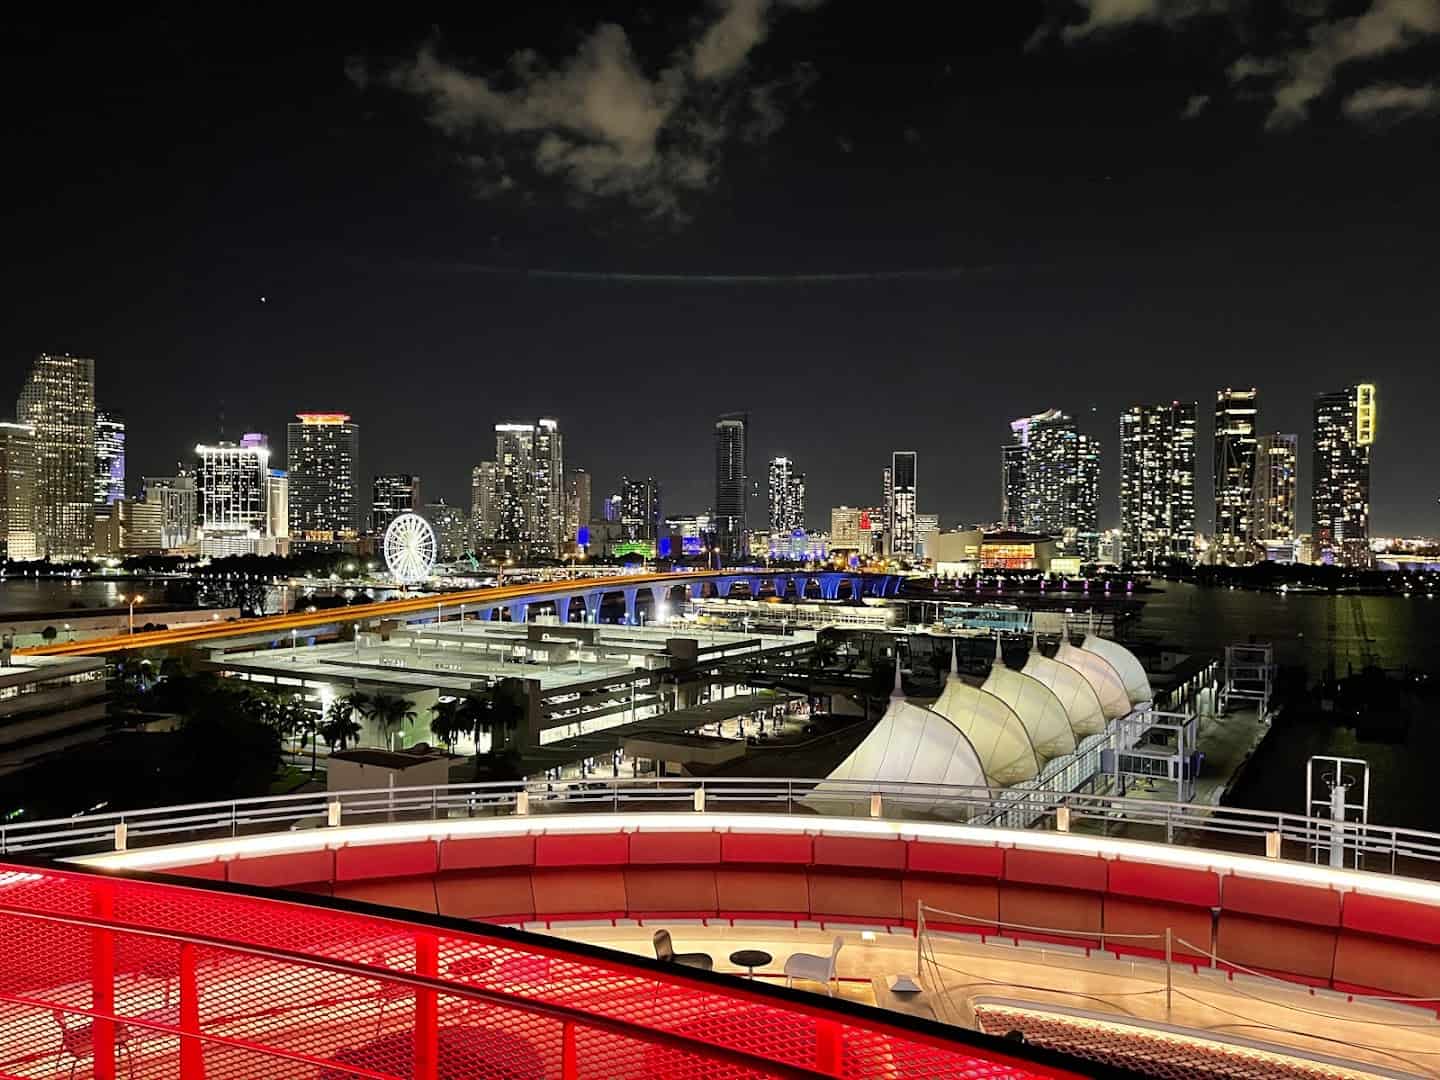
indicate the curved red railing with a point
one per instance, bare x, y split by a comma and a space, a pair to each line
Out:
110, 977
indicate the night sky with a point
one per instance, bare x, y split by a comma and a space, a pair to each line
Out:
869, 229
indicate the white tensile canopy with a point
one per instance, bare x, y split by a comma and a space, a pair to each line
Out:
1076, 695
1038, 708
910, 744
992, 727
1109, 687
1126, 665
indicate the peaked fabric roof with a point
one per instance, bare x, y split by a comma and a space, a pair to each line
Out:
909, 744
1098, 672
1038, 708
997, 733
1126, 665
1076, 695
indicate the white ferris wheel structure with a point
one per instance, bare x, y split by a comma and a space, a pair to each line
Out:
409, 549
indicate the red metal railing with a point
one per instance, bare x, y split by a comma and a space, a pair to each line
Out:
111, 977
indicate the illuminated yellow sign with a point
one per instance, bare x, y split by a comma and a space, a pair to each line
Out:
1364, 414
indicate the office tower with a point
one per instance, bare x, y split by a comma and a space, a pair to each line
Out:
1345, 426
1157, 482
530, 486
1062, 482
176, 497
392, 494
787, 497
277, 504
887, 494
640, 508
484, 505
109, 458
731, 483
322, 455
452, 529
577, 505
1012, 475
1236, 414
18, 539
900, 514
58, 401
232, 482
1272, 513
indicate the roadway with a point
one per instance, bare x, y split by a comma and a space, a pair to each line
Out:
491, 596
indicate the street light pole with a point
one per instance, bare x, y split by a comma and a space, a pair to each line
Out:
134, 599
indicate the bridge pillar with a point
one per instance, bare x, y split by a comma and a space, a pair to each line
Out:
830, 586
780, 584
857, 588
518, 609
562, 608
659, 598
723, 586
753, 584
631, 615
697, 590
593, 601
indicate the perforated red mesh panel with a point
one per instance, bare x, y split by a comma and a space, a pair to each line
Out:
107, 977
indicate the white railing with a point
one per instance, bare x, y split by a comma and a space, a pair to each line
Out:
1235, 830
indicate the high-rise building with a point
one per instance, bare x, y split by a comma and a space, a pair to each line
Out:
452, 529
392, 494
640, 507
322, 455
176, 498
530, 486
1236, 415
577, 506
277, 504
787, 497
900, 513
1012, 475
232, 488
1272, 514
731, 483
1157, 482
58, 402
109, 458
1345, 427
484, 506
1062, 482
18, 539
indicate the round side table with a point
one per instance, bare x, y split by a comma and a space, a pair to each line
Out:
750, 959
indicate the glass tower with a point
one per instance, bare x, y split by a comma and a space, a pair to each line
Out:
58, 402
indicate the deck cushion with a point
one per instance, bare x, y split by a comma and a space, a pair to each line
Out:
1125, 915
1164, 884
757, 893
694, 848
1393, 967
413, 893
1312, 904
964, 860
485, 894
593, 893
1055, 870
588, 849
289, 868
672, 892
1044, 910
477, 852
1383, 916
766, 848
859, 851
359, 862
980, 900
858, 896
1270, 945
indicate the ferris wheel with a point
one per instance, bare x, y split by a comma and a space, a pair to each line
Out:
409, 548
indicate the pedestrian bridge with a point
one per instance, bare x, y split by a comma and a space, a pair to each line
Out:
515, 601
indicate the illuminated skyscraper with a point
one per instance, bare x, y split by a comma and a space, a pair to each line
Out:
787, 497
530, 486
1236, 413
232, 492
484, 506
58, 401
1062, 482
452, 529
731, 483
322, 455
1157, 482
640, 507
18, 539
109, 458
577, 506
392, 494
176, 497
900, 514
1012, 475
1272, 515
1345, 426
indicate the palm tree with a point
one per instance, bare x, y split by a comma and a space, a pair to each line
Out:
339, 729
389, 713
448, 723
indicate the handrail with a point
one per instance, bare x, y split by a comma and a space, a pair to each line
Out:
1367, 846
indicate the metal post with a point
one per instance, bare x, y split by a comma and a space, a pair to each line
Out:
427, 1013
1337, 824
122, 835
1169, 981
919, 936
522, 802
700, 799
569, 1062
102, 984
332, 813
192, 1050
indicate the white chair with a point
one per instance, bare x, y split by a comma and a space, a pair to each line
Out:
819, 969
